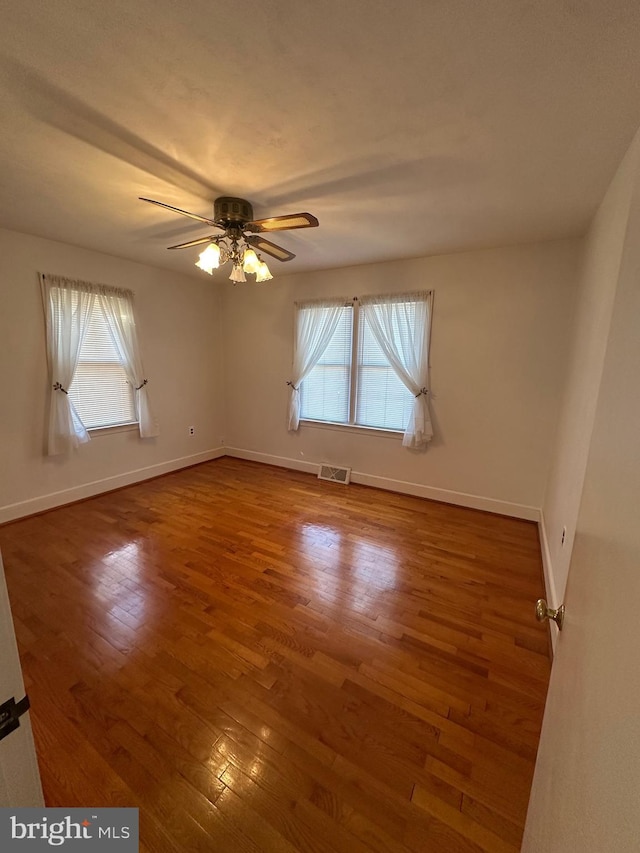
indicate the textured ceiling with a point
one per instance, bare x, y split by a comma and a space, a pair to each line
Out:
407, 127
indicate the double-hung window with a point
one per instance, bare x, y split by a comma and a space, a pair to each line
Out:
95, 368
100, 391
373, 371
325, 392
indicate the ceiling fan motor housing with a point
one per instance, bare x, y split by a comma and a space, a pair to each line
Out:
235, 211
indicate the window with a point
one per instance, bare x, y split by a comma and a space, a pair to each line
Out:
100, 391
95, 368
382, 399
374, 366
324, 394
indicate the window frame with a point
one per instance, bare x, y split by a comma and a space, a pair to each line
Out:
348, 303
105, 428
352, 424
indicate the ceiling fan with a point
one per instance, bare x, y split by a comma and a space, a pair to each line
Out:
241, 237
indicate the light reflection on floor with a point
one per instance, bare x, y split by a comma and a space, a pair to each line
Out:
222, 757
121, 590
346, 571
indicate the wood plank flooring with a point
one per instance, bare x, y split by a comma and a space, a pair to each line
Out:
261, 661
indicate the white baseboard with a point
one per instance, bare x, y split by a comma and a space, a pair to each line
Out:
88, 490
268, 459
551, 594
529, 513
11, 512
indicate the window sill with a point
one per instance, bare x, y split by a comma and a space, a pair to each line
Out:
356, 428
94, 432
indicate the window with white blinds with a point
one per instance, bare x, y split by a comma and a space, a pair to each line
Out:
100, 391
324, 394
353, 383
382, 399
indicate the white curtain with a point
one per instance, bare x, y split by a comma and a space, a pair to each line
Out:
118, 309
400, 323
316, 323
67, 305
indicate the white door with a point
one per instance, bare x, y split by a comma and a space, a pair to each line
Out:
19, 776
586, 791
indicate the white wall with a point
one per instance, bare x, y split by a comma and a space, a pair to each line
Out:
498, 359
598, 281
585, 791
179, 320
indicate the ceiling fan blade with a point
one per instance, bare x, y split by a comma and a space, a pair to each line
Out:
283, 223
181, 212
269, 248
191, 243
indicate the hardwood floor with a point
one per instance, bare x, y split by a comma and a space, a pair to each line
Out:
262, 661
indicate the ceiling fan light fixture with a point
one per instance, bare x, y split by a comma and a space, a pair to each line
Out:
209, 259
240, 238
263, 273
250, 261
237, 273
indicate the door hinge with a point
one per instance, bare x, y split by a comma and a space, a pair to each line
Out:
10, 713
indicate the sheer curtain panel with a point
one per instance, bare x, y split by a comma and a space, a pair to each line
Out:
67, 307
315, 324
400, 323
118, 309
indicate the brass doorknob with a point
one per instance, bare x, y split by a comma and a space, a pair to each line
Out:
544, 612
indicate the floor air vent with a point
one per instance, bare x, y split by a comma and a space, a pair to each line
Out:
336, 475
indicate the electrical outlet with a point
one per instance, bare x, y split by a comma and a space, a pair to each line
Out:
564, 536
192, 430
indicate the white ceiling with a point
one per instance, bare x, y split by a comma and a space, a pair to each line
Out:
408, 127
